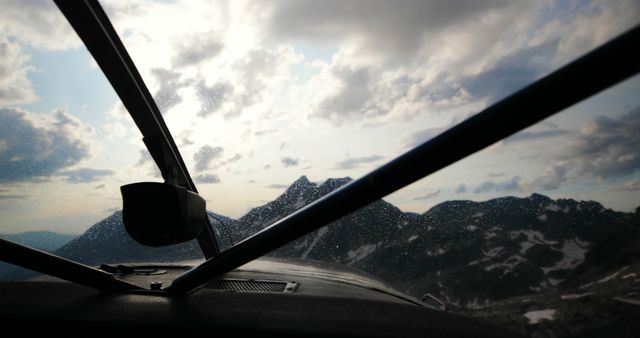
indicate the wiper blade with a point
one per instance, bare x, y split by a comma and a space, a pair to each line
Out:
57, 266
593, 72
91, 23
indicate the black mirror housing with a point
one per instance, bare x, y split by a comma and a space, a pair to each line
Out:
160, 214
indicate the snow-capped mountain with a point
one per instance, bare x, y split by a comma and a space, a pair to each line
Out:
470, 253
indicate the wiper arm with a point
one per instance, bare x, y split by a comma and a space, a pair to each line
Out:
91, 23
593, 72
57, 266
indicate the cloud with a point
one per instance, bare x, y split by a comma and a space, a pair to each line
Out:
352, 99
428, 195
205, 155
38, 23
289, 162
461, 189
536, 135
99, 186
207, 179
277, 186
213, 97
7, 194
184, 139
235, 158
15, 87
552, 178
419, 137
606, 147
115, 130
512, 184
354, 162
265, 132
38, 146
196, 48
633, 185
380, 27
145, 157
169, 83
85, 175
510, 72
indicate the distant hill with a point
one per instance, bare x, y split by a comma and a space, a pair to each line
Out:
42, 240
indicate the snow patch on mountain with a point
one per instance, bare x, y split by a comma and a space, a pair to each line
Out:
536, 316
574, 251
507, 265
552, 207
533, 238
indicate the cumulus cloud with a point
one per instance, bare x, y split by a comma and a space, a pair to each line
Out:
15, 86
205, 155
289, 161
85, 175
354, 162
212, 97
207, 179
553, 177
196, 48
169, 83
604, 148
510, 72
461, 189
398, 27
37, 147
37, 23
235, 158
429, 195
352, 96
512, 184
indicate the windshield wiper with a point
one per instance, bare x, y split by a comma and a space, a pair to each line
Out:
56, 266
91, 23
603, 67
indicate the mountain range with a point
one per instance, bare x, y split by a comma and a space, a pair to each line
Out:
469, 253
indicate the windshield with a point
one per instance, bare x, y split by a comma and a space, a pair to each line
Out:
260, 94
274, 105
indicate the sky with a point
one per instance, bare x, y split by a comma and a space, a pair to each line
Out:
257, 94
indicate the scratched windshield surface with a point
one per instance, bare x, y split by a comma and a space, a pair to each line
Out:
275, 104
